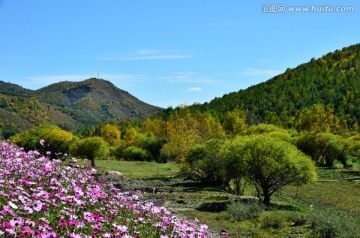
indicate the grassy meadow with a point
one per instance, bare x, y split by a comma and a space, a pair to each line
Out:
321, 209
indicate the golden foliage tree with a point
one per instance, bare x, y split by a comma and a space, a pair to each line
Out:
318, 118
111, 134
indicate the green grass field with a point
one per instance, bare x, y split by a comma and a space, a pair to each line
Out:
140, 170
335, 205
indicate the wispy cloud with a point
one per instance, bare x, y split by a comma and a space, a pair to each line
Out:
195, 89
146, 54
261, 72
264, 60
187, 77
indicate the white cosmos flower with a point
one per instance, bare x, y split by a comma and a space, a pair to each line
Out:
13, 205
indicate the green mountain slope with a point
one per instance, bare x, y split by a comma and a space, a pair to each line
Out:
93, 101
332, 80
71, 105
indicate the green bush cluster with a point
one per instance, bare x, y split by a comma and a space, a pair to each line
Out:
327, 148
133, 153
240, 211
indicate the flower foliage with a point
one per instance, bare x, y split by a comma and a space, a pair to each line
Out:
40, 197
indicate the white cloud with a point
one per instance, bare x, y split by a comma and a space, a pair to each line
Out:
195, 89
261, 72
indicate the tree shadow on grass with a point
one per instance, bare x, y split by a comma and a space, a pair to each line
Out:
194, 186
213, 207
351, 173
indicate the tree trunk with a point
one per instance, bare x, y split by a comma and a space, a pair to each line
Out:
92, 162
266, 198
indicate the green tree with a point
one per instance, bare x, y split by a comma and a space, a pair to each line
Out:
152, 144
90, 148
272, 164
234, 165
323, 148
205, 163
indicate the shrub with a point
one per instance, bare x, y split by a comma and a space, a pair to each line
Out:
274, 220
244, 211
328, 223
133, 153
165, 156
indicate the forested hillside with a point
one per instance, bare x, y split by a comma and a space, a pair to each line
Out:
332, 80
70, 105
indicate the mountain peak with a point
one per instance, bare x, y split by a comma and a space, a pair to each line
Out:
72, 105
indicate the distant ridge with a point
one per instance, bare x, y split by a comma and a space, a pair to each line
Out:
71, 105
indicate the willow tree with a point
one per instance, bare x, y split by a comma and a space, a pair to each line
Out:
272, 164
89, 148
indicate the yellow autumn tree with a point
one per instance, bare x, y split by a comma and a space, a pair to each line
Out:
318, 118
130, 136
234, 122
156, 127
185, 129
111, 134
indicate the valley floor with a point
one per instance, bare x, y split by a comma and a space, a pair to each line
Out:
334, 205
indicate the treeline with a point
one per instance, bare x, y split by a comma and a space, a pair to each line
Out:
332, 80
171, 136
224, 153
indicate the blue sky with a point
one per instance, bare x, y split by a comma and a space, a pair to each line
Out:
167, 52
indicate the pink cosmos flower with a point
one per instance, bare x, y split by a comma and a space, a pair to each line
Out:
88, 217
28, 231
37, 205
39, 187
